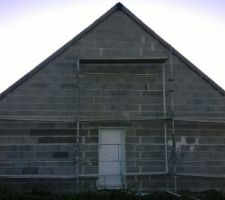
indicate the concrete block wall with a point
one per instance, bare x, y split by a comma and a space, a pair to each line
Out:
123, 91
49, 184
144, 144
147, 183
35, 149
200, 148
45, 152
194, 97
145, 148
144, 152
51, 92
118, 37
199, 157
46, 149
42, 155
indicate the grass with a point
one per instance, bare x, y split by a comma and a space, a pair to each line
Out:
108, 195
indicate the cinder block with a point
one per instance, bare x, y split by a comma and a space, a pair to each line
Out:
45, 170
153, 140
11, 170
130, 147
115, 53
89, 53
151, 148
153, 169
57, 139
67, 170
91, 154
134, 185
91, 139
16, 155
60, 154
132, 155
30, 170
132, 169
93, 147
153, 155
132, 140
43, 156
155, 53
90, 170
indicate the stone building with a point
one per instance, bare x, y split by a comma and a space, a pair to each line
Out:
115, 107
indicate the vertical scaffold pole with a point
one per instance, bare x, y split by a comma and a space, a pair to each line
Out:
78, 123
173, 123
77, 157
164, 115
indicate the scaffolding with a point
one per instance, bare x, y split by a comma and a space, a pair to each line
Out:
166, 117
78, 123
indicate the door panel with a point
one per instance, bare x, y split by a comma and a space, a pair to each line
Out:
111, 157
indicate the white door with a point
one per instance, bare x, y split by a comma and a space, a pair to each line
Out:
111, 157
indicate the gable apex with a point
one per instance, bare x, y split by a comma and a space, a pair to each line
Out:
119, 6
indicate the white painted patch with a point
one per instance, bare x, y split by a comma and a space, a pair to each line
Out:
181, 142
196, 141
170, 143
192, 148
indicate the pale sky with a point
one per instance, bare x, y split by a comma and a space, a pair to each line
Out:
31, 30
